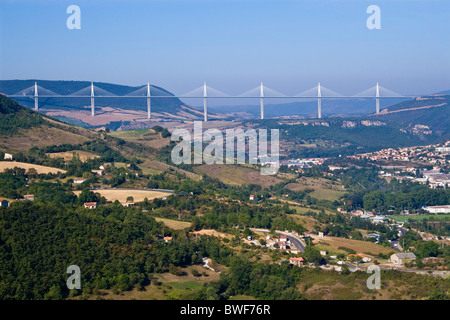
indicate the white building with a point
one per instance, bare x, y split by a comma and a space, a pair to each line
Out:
443, 149
402, 258
379, 219
437, 209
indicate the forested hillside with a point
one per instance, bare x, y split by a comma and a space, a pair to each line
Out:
432, 111
13, 116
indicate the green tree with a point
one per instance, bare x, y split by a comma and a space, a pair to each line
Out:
312, 254
54, 293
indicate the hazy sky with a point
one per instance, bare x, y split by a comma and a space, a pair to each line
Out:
233, 45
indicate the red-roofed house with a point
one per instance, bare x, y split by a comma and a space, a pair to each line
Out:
29, 197
282, 245
297, 261
90, 205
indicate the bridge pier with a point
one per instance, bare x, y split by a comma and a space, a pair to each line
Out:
205, 105
149, 103
92, 100
36, 99
261, 101
377, 100
319, 102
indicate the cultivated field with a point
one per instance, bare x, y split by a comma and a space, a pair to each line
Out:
327, 194
237, 175
333, 243
336, 286
419, 217
174, 224
303, 210
68, 155
307, 221
154, 167
147, 137
122, 194
40, 169
323, 189
166, 286
40, 137
212, 232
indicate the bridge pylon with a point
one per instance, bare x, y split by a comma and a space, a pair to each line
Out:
261, 100
377, 100
92, 100
36, 99
205, 105
149, 103
319, 102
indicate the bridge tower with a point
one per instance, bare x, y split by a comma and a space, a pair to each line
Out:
92, 100
36, 102
149, 103
319, 102
261, 100
378, 98
205, 105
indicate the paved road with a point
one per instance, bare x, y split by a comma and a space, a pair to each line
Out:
293, 239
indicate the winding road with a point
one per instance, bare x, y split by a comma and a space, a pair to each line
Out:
298, 244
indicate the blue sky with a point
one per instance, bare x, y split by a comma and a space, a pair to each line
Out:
233, 45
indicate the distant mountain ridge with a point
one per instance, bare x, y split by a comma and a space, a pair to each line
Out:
432, 111
447, 92
63, 87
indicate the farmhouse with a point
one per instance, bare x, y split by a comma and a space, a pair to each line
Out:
78, 180
297, 261
8, 156
4, 203
128, 204
90, 205
29, 197
402, 258
282, 245
99, 172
